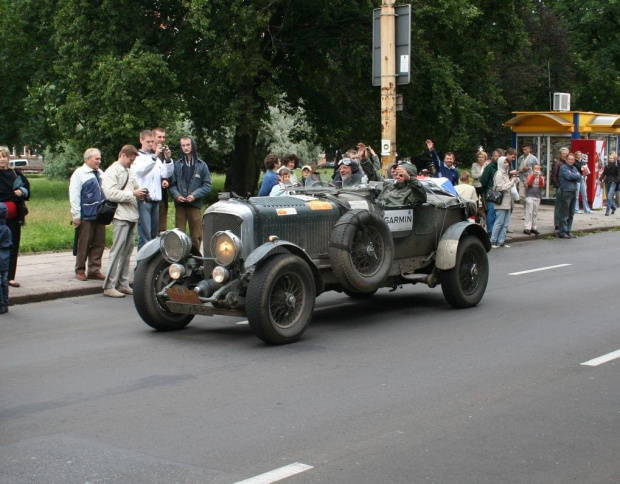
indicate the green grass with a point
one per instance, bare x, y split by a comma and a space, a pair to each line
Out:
48, 224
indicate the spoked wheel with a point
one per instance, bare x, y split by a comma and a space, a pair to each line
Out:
280, 299
361, 251
150, 278
366, 251
464, 285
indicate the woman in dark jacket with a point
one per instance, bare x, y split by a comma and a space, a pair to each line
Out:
14, 191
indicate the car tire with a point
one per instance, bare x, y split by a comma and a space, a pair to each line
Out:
463, 286
361, 250
280, 299
150, 277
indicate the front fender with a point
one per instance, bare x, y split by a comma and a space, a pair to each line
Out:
279, 246
149, 249
268, 248
449, 243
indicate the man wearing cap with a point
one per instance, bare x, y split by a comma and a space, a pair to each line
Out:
407, 190
308, 178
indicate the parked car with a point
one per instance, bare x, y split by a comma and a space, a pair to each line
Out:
268, 258
32, 165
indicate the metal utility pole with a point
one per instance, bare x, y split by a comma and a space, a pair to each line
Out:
388, 83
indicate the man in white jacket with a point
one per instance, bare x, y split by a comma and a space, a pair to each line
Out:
150, 170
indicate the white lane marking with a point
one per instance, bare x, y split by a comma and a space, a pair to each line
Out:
277, 474
538, 270
603, 359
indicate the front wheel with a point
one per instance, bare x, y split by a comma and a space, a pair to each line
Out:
280, 299
151, 277
463, 286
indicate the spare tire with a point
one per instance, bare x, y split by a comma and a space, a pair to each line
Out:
361, 251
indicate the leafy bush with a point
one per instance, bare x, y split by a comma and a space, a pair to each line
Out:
61, 163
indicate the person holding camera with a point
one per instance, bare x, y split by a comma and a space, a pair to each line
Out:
120, 185
164, 155
151, 167
533, 192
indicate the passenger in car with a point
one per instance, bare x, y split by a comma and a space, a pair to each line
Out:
407, 190
284, 182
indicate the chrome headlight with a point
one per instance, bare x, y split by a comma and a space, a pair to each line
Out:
175, 245
225, 247
220, 274
176, 271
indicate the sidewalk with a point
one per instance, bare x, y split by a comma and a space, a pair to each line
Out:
51, 276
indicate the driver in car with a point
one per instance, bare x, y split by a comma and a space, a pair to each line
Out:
407, 189
349, 173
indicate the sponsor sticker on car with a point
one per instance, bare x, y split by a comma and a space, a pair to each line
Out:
399, 220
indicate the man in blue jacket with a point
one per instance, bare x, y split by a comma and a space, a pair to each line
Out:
85, 196
568, 176
191, 182
446, 167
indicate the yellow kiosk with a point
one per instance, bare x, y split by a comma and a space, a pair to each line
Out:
548, 131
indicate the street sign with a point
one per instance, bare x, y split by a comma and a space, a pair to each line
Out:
403, 45
386, 146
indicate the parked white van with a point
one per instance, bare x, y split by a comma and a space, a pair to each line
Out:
32, 165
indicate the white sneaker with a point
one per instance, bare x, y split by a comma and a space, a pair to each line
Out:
112, 293
505, 246
494, 246
125, 290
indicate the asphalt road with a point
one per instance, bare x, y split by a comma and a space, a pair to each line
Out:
399, 389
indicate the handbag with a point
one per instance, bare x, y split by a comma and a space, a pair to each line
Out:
107, 209
494, 196
105, 212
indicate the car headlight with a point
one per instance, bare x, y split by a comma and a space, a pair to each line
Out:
175, 245
220, 274
176, 271
225, 247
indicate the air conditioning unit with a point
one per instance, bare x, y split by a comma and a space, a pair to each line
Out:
561, 101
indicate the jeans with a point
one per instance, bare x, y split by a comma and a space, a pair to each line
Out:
567, 209
611, 188
581, 189
500, 227
490, 217
4, 289
148, 223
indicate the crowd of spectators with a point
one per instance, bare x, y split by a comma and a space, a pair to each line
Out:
140, 180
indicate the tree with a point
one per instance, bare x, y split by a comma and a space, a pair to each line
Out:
594, 30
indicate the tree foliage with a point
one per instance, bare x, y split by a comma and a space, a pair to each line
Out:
96, 72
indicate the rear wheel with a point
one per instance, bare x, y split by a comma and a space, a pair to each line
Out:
280, 299
150, 278
464, 285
